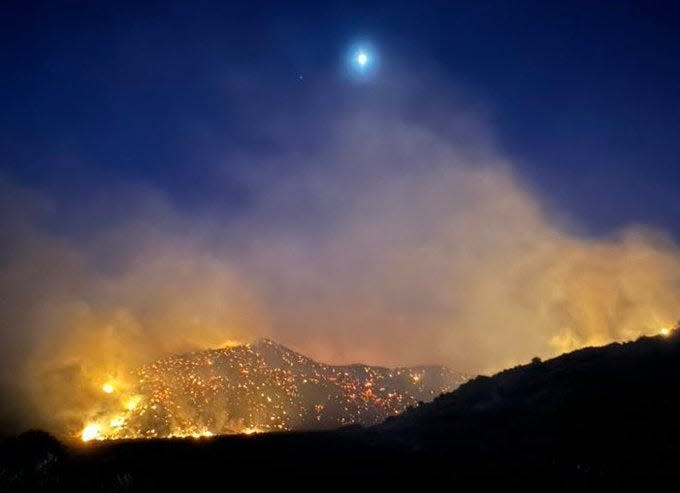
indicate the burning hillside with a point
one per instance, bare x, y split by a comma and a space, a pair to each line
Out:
257, 388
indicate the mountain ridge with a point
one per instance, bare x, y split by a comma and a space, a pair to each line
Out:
264, 386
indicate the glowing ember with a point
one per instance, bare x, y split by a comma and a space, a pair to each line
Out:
251, 431
91, 432
202, 434
665, 331
108, 388
132, 403
259, 388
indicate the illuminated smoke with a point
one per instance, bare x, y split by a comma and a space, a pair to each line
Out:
372, 235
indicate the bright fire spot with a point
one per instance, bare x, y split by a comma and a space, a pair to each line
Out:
416, 378
90, 432
132, 403
250, 431
108, 388
664, 331
117, 422
202, 434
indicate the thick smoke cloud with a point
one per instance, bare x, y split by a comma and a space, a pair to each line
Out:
441, 254
70, 322
386, 229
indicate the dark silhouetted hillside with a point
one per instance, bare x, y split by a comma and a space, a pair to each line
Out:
595, 413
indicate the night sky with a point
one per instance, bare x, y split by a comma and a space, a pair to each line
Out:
583, 97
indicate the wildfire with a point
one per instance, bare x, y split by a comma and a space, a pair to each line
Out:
665, 331
91, 432
203, 434
132, 403
256, 388
251, 431
191, 434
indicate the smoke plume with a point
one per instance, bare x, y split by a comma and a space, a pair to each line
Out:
387, 229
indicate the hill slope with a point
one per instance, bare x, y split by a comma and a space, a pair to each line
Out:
267, 387
596, 412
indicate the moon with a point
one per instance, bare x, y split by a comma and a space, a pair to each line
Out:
362, 61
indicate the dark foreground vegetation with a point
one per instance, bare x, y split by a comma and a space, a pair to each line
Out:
598, 418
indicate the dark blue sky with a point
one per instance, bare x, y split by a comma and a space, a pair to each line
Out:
583, 97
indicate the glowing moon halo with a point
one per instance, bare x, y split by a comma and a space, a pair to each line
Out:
361, 61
